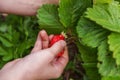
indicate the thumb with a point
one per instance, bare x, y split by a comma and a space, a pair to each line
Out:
56, 48
49, 54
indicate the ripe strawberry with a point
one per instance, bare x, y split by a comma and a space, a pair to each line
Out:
55, 39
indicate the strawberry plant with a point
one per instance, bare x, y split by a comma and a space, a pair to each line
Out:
93, 34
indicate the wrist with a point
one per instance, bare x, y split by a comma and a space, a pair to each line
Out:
8, 76
12, 74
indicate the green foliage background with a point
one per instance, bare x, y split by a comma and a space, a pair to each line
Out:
93, 30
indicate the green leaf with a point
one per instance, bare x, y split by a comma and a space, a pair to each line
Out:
101, 1
8, 56
88, 54
111, 78
114, 45
105, 59
106, 15
3, 28
2, 63
107, 65
71, 10
117, 0
48, 18
91, 71
16, 37
2, 51
5, 42
90, 33
8, 36
23, 47
89, 59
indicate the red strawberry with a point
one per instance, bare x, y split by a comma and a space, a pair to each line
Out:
55, 39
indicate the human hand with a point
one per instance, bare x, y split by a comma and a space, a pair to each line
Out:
41, 64
23, 7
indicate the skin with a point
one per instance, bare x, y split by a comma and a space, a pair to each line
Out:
23, 7
40, 64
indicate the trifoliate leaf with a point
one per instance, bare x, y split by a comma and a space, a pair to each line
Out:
90, 33
48, 18
71, 10
106, 15
114, 42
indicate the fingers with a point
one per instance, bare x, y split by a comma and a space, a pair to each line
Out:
42, 41
50, 37
61, 62
57, 47
49, 54
38, 44
45, 39
43, 58
58, 64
